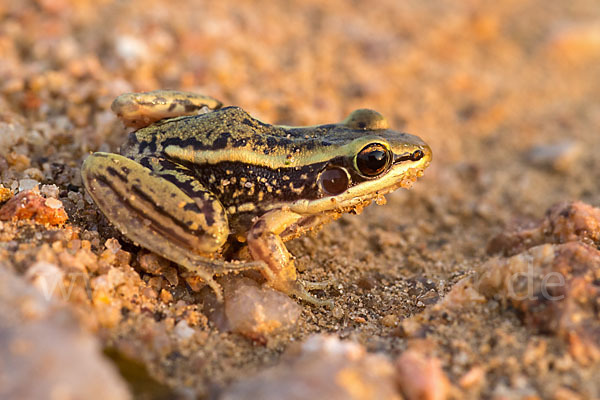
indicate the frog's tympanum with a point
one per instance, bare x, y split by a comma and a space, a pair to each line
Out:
196, 189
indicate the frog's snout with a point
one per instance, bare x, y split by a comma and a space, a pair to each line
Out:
427, 153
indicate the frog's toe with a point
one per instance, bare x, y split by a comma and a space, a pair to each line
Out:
206, 269
322, 285
225, 267
300, 289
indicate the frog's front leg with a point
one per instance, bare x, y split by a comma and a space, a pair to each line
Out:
162, 207
265, 243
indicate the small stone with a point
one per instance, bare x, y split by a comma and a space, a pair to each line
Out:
50, 191
20, 161
112, 245
258, 312
554, 289
31, 205
34, 173
27, 184
171, 275
421, 377
473, 378
74, 196
156, 265
5, 194
131, 48
195, 282
149, 293
367, 282
337, 312
166, 296
389, 320
559, 156
323, 367
54, 203
183, 330
41, 338
156, 283
115, 277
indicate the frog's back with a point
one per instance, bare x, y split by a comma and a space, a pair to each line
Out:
225, 129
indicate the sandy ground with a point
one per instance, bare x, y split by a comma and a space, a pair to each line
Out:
506, 93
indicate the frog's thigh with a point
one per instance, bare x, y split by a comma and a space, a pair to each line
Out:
153, 211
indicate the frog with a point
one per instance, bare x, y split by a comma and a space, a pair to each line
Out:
201, 184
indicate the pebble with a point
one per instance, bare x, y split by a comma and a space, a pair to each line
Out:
5, 194
421, 377
323, 367
389, 320
31, 205
112, 245
34, 173
27, 184
473, 378
50, 191
559, 157
553, 287
156, 265
563, 222
258, 312
53, 203
130, 48
45, 354
183, 330
337, 312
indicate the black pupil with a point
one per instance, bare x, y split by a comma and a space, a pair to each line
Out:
372, 160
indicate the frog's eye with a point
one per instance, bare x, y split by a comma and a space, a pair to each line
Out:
373, 159
334, 181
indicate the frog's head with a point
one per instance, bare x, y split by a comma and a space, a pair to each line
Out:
375, 161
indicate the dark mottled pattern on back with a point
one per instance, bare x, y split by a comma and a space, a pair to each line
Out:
232, 127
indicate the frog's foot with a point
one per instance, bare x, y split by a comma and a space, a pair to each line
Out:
199, 267
138, 110
301, 288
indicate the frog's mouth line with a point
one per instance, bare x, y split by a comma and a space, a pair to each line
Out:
401, 175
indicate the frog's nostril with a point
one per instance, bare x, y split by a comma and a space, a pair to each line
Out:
417, 155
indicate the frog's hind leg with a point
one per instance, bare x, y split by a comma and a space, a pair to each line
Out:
160, 206
142, 109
